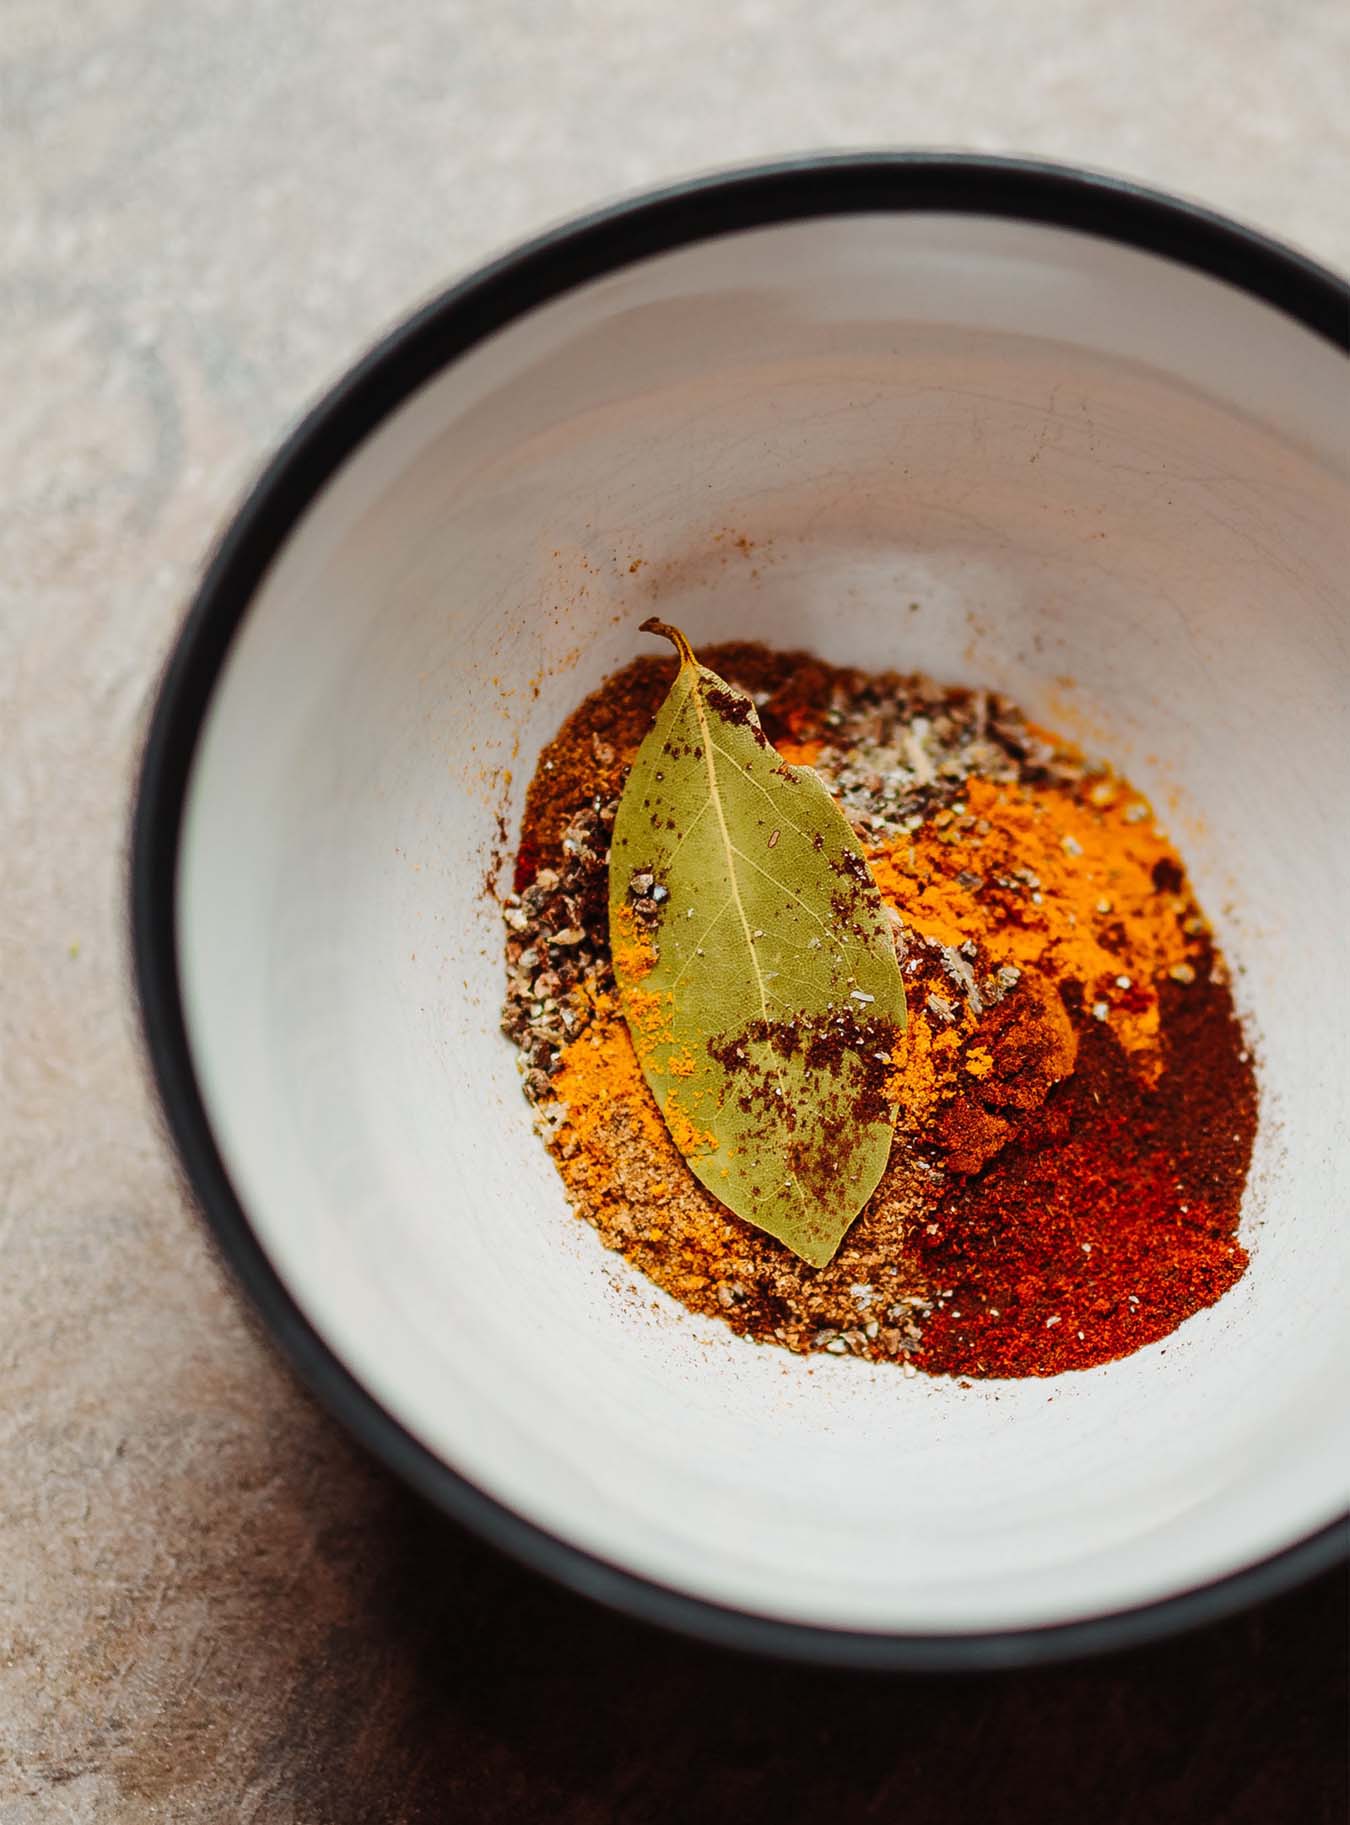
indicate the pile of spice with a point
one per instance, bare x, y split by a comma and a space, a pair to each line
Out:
1076, 1102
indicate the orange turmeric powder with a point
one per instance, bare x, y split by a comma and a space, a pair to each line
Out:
625, 1176
625, 1172
1080, 884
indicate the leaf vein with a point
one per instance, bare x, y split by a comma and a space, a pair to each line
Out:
705, 935
689, 831
784, 889
745, 774
730, 849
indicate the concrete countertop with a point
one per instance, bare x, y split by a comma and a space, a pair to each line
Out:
211, 1607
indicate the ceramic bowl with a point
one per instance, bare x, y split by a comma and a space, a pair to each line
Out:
994, 421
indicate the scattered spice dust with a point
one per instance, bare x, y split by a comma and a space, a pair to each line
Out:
1076, 1103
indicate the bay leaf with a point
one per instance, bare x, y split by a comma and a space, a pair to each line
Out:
756, 966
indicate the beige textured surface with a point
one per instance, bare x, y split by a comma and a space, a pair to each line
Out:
205, 211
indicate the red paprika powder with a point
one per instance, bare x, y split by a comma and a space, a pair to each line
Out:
1112, 1216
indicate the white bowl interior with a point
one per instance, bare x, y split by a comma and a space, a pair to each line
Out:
1118, 490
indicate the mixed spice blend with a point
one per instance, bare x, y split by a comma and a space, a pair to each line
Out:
1076, 1104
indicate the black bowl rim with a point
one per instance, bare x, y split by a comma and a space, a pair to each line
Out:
426, 343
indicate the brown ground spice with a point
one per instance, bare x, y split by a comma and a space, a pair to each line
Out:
1072, 1052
